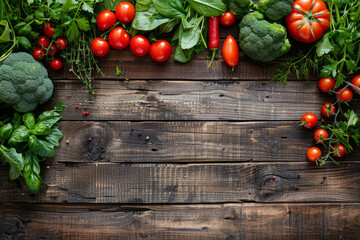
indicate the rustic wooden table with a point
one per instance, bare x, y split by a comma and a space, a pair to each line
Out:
216, 140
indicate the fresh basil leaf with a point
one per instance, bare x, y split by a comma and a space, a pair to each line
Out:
12, 157
142, 5
14, 173
59, 107
33, 144
49, 118
5, 132
170, 8
45, 149
20, 134
32, 173
208, 8
29, 120
17, 120
55, 136
190, 33
40, 129
148, 20
168, 27
183, 55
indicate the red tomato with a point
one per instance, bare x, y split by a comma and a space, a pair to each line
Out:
38, 54
139, 45
328, 110
326, 84
320, 135
309, 120
48, 29
340, 150
99, 47
345, 96
61, 43
125, 12
227, 19
56, 64
160, 51
119, 38
313, 154
105, 20
43, 42
230, 51
308, 20
52, 51
356, 82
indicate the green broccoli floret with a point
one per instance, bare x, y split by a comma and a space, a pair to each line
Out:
24, 82
261, 40
275, 9
240, 7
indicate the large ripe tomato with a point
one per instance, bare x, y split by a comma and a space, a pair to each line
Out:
328, 110
230, 51
313, 154
308, 20
227, 19
38, 54
346, 95
105, 20
119, 38
339, 150
99, 47
326, 84
356, 82
160, 51
321, 135
43, 42
48, 29
139, 45
309, 120
56, 64
125, 12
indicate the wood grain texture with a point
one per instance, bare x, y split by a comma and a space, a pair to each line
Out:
223, 221
189, 183
183, 100
116, 141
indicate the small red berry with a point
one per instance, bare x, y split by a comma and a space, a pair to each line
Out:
77, 106
85, 107
84, 113
87, 113
274, 177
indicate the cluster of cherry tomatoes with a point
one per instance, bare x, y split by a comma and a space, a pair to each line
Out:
328, 110
49, 48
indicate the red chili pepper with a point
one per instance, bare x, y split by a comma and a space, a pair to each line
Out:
214, 37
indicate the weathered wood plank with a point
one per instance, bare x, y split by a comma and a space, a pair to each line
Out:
190, 183
181, 100
184, 142
223, 221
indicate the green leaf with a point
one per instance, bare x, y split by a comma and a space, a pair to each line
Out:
5, 132
182, 55
148, 20
69, 5
168, 27
54, 137
142, 5
207, 8
19, 135
32, 173
111, 4
33, 144
170, 8
17, 120
72, 34
190, 33
40, 129
49, 118
87, 8
30, 2
29, 120
12, 157
324, 46
14, 173
59, 107
5, 36
45, 150
83, 24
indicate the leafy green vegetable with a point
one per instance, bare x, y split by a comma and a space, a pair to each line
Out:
148, 20
208, 8
170, 8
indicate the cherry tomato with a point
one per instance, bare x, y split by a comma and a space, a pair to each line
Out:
326, 84
38, 54
61, 43
230, 51
119, 38
56, 64
139, 45
340, 150
345, 96
308, 20
105, 20
100, 47
125, 12
328, 110
313, 154
320, 135
48, 29
43, 42
227, 19
52, 51
160, 51
356, 82
309, 120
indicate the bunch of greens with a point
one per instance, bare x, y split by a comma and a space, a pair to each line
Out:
25, 141
336, 54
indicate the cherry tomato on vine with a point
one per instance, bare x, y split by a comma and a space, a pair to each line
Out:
227, 19
340, 150
38, 54
48, 29
125, 12
52, 51
56, 64
119, 38
160, 51
320, 135
328, 110
230, 51
313, 154
309, 120
60, 44
43, 42
346, 95
139, 45
99, 47
326, 84
105, 19
356, 82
